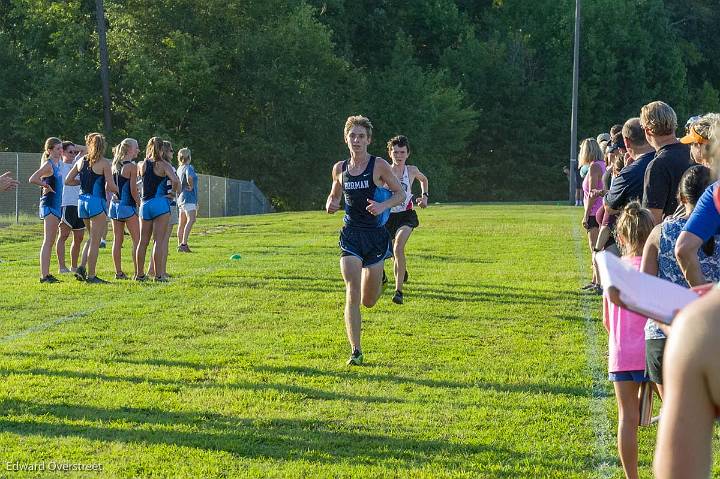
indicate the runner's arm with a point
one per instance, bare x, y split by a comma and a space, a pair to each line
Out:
333, 200
43, 172
386, 176
423, 200
109, 180
133, 183
71, 178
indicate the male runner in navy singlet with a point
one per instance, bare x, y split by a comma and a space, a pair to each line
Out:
364, 241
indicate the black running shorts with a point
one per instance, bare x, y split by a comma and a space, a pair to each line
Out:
404, 218
70, 217
371, 245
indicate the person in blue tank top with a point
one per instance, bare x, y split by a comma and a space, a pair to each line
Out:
171, 193
49, 178
123, 206
154, 208
187, 200
364, 241
95, 174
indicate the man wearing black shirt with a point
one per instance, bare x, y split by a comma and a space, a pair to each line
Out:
672, 158
628, 185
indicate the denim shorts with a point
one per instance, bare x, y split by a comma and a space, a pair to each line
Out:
637, 376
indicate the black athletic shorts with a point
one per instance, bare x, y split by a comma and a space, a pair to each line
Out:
371, 245
654, 352
404, 218
592, 223
70, 217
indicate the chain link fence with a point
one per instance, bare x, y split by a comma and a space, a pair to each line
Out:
217, 196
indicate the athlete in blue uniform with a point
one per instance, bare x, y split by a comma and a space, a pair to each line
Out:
154, 208
95, 177
167, 155
364, 241
49, 178
123, 206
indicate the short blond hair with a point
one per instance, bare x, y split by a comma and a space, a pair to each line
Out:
659, 118
184, 156
358, 120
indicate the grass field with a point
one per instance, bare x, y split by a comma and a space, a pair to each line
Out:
493, 367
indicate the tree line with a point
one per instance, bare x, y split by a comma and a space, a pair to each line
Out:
260, 89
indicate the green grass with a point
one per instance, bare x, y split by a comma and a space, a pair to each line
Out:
236, 368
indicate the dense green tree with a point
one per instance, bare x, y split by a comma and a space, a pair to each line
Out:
260, 89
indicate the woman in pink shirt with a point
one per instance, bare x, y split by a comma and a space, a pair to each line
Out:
591, 155
626, 348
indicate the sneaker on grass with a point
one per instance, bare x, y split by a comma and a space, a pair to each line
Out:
356, 358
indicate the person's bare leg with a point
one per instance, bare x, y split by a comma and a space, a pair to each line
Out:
627, 394
50, 225
592, 239
191, 217
160, 237
75, 248
133, 226
400, 264
65, 231
118, 233
351, 269
372, 284
97, 230
182, 221
86, 246
146, 230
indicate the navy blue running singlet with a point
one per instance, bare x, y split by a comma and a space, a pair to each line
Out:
357, 190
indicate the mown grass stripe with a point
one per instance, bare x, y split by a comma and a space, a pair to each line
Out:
604, 439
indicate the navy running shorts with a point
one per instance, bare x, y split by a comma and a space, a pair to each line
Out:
371, 245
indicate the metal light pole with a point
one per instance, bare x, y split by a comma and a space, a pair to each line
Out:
573, 120
104, 68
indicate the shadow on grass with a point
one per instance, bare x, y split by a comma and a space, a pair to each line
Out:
285, 439
524, 388
203, 382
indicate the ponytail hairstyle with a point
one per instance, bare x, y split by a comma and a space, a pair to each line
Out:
96, 148
184, 156
166, 151
153, 150
120, 151
49, 145
693, 183
634, 227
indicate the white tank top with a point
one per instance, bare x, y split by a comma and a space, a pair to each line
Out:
70, 194
405, 183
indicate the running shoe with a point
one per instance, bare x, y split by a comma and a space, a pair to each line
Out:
140, 278
356, 359
588, 287
63, 270
49, 279
162, 279
398, 298
81, 273
102, 244
121, 275
96, 280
